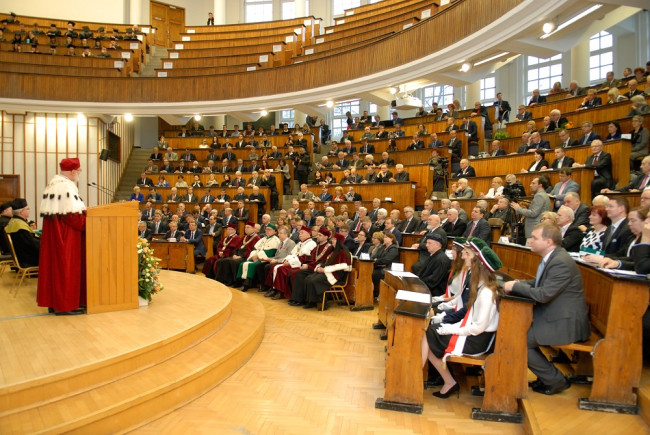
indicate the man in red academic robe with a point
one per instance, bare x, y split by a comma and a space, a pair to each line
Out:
62, 264
225, 249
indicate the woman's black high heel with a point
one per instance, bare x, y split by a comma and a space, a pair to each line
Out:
452, 390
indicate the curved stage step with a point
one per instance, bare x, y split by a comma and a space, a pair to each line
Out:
211, 332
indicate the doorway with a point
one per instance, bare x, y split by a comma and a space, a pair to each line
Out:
169, 21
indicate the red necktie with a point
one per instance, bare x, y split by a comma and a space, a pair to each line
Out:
358, 226
473, 228
643, 183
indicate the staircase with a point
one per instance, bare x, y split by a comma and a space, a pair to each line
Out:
137, 162
154, 61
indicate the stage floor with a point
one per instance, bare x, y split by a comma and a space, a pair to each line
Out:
38, 345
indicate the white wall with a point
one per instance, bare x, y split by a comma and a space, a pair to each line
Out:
33, 145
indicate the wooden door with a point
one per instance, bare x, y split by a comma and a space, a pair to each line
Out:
169, 22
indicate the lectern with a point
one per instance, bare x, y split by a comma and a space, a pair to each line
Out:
112, 257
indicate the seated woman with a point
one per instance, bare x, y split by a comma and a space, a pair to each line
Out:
556, 89
180, 182
212, 181
362, 244
495, 190
548, 217
614, 96
162, 182
318, 176
226, 180
531, 127
384, 257
329, 178
338, 194
197, 182
166, 213
614, 130
473, 334
421, 130
593, 241
215, 143
539, 164
637, 219
392, 146
640, 139
333, 271
136, 195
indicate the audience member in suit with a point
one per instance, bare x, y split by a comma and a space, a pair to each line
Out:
385, 159
561, 159
522, 115
572, 235
601, 163
435, 142
502, 108
638, 253
560, 313
324, 196
241, 213
362, 244
564, 186
588, 136
590, 101
194, 236
495, 149
143, 231
538, 205
416, 144
384, 175
144, 180
632, 85
190, 197
366, 148
157, 226
565, 140
454, 227
454, 144
478, 226
618, 234
575, 90
470, 128
173, 232
539, 164
410, 222
640, 140
148, 213
400, 174
463, 191
188, 156
451, 126
433, 226
466, 171
389, 227
640, 183
536, 98
580, 210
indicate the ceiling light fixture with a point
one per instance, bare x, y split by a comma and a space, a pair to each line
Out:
465, 67
489, 59
393, 90
128, 117
572, 20
264, 112
197, 117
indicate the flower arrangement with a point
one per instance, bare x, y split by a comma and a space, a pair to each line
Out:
148, 270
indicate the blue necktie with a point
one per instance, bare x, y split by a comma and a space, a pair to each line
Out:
540, 269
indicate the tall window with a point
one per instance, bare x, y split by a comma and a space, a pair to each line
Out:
259, 10
339, 123
339, 6
443, 95
288, 10
488, 89
542, 73
287, 116
601, 59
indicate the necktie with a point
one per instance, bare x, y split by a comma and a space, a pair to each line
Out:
472, 230
241, 212
608, 239
540, 269
358, 226
643, 183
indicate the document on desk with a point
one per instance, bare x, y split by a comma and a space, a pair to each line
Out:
403, 274
406, 295
630, 273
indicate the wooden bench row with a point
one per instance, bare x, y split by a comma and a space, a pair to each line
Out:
232, 191
311, 24
193, 142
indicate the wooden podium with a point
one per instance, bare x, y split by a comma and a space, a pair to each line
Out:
112, 257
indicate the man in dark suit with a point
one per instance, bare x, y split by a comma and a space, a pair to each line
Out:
560, 313
536, 143
385, 159
470, 128
241, 213
188, 156
575, 90
451, 126
601, 163
351, 195
173, 232
366, 149
410, 222
389, 227
341, 162
435, 269
561, 159
433, 226
207, 196
454, 227
153, 196
557, 120
572, 235
143, 231
195, 236
454, 144
502, 108
580, 210
157, 226
435, 142
324, 195
144, 180
478, 226
588, 136
228, 154
590, 101
536, 98
416, 144
618, 234
640, 183
400, 174
466, 171
495, 149
565, 140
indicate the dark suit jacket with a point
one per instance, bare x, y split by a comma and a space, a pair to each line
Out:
572, 238
539, 100
244, 214
197, 241
436, 144
497, 153
504, 106
389, 162
408, 227
457, 230
581, 215
367, 149
603, 165
228, 155
415, 146
146, 182
566, 162
396, 233
435, 272
162, 228
472, 130
617, 246
177, 235
560, 314
402, 176
537, 166
188, 157
635, 184
527, 116
455, 149
584, 141
469, 172
482, 230
571, 143
147, 235
593, 103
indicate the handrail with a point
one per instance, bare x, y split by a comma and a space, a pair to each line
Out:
422, 39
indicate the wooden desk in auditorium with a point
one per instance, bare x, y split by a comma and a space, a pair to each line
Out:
359, 288
174, 255
616, 307
280, 141
338, 205
232, 191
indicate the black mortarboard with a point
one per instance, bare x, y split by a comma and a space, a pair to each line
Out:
4, 206
52, 25
100, 29
53, 46
18, 203
5, 21
13, 14
70, 45
116, 30
86, 28
129, 30
72, 23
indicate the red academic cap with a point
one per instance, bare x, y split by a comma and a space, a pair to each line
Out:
70, 164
